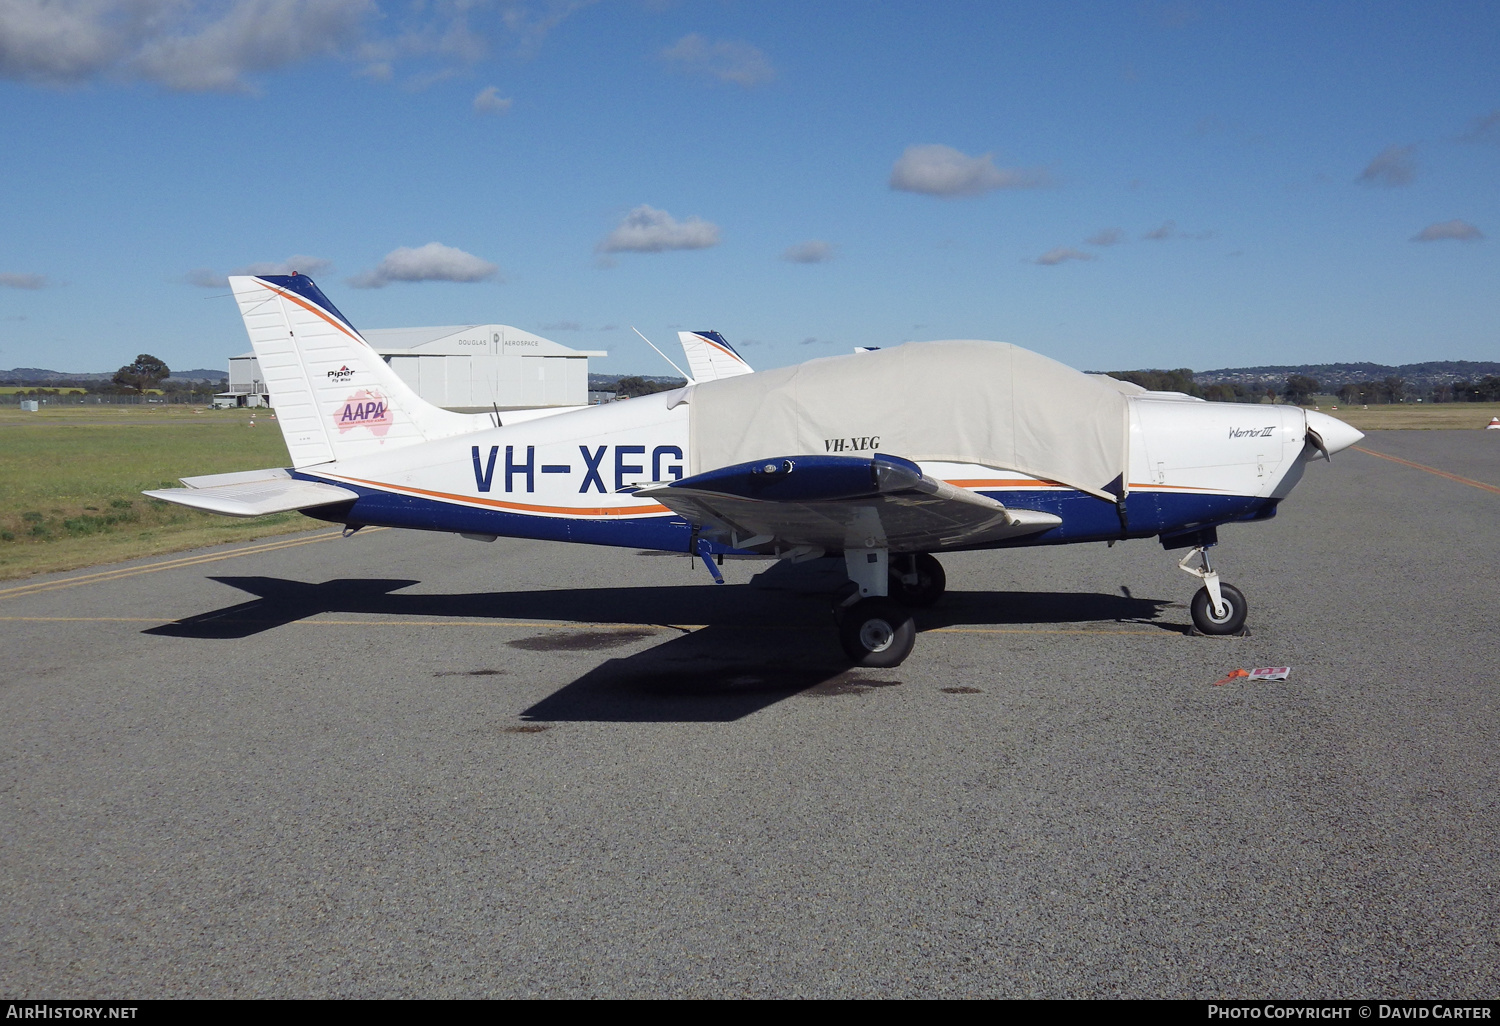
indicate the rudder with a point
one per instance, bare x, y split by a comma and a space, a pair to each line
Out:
335, 398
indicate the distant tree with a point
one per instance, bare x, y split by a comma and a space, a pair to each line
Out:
1299, 387
1180, 380
1228, 392
1394, 389
633, 385
1486, 390
146, 372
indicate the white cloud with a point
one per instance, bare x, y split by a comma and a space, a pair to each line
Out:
1060, 255
813, 251
432, 262
59, 40
937, 170
648, 230
188, 45
489, 101
1484, 129
217, 45
1392, 166
207, 278
251, 36
728, 61
531, 23
23, 281
1168, 230
1106, 237
1463, 231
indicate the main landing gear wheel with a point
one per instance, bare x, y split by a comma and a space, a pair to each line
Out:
1235, 609
930, 584
876, 632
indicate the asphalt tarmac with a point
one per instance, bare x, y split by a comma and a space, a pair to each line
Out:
403, 764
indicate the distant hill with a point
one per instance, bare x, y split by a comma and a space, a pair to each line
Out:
42, 376
1332, 375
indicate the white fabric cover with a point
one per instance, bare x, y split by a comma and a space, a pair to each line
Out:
959, 401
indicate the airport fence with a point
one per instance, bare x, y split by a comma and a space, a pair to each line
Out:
63, 399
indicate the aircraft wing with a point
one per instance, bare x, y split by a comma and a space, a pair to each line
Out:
838, 502
253, 493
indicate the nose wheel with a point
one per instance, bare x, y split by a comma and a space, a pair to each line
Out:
1230, 616
1217, 608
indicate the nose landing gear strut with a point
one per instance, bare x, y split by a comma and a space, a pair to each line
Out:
1218, 608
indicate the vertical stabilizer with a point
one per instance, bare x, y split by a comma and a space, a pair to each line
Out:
335, 398
710, 357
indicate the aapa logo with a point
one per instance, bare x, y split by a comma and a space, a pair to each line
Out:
364, 409
341, 375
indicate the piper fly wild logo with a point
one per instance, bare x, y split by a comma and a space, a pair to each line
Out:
1264, 432
341, 375
364, 409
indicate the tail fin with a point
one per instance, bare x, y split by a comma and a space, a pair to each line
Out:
710, 357
335, 398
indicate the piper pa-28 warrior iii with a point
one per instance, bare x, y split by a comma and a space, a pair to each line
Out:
884, 457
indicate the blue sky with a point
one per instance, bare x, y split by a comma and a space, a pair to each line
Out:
1116, 185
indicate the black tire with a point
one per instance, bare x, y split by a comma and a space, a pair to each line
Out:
877, 632
931, 583
1203, 611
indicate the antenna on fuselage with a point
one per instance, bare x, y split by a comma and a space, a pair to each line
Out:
663, 355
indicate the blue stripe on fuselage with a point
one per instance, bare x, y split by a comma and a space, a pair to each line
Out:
1148, 513
392, 509
1084, 518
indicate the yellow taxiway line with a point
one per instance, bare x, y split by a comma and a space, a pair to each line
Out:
1430, 470
101, 576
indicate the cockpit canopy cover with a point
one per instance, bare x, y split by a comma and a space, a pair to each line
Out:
967, 401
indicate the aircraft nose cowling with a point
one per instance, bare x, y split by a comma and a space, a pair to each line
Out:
1336, 435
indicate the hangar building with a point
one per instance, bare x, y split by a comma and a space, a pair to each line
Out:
469, 368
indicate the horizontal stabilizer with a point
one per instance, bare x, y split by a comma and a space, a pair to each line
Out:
253, 493
710, 356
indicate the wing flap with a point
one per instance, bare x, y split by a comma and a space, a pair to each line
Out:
840, 502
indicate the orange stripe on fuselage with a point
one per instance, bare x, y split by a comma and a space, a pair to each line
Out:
583, 511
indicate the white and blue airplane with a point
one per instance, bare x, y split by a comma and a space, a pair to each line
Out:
882, 456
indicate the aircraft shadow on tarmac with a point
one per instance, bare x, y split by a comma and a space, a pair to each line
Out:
763, 642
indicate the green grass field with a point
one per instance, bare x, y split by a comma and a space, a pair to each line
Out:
71, 478
1418, 416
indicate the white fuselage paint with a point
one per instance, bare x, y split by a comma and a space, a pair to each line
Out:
574, 464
